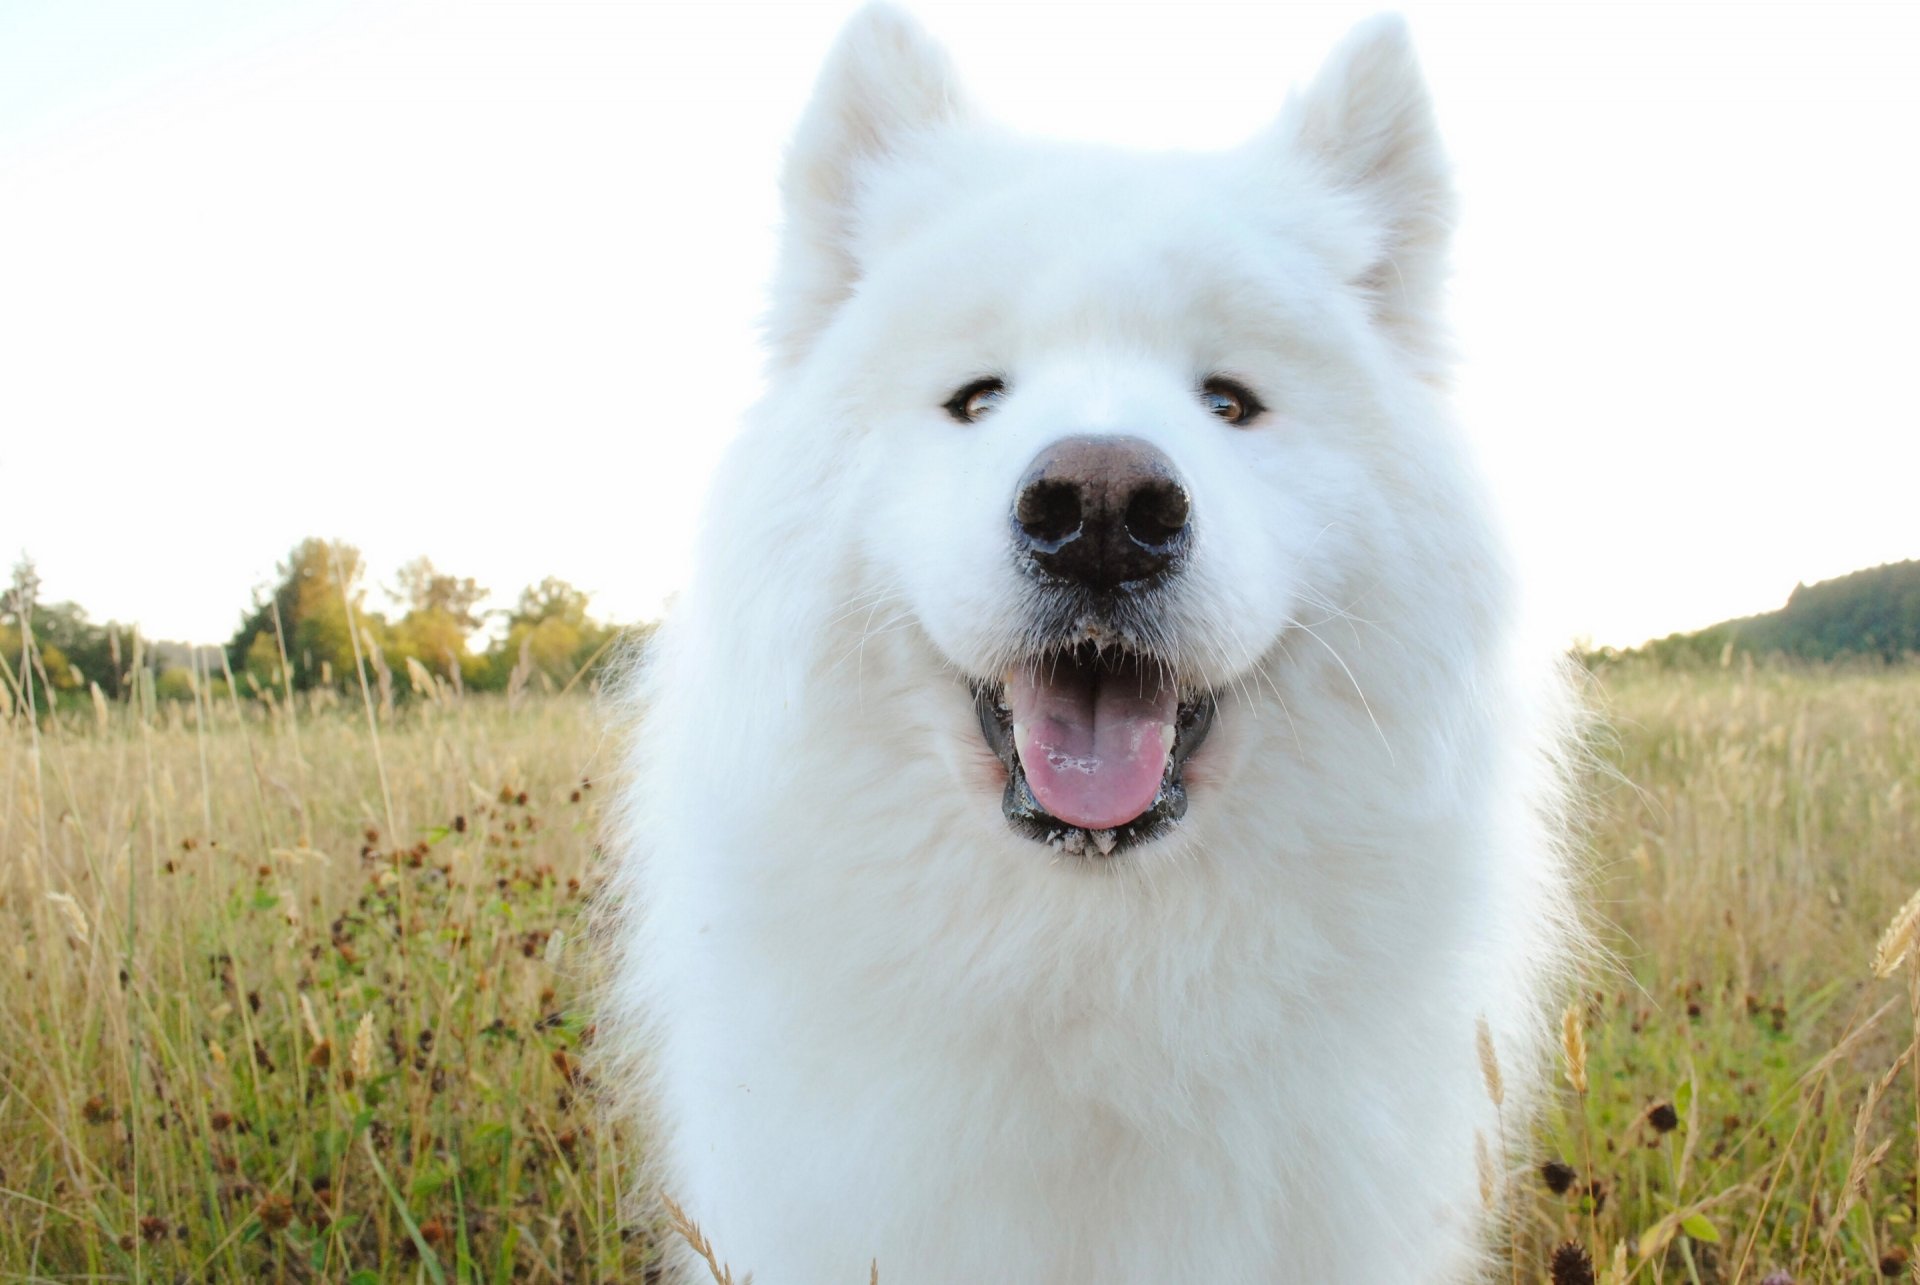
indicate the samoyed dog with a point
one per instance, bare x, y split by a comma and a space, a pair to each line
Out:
1089, 800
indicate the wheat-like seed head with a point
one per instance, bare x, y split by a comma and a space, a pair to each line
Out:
1483, 1163
1855, 1188
361, 1055
312, 1023
689, 1231
1489, 1063
1573, 1039
76, 918
420, 679
1897, 941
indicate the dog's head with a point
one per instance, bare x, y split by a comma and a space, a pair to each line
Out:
1118, 423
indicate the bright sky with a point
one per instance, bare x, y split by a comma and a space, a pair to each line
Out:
479, 281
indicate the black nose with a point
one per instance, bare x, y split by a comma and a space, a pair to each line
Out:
1101, 512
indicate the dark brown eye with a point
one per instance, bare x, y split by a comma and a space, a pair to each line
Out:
1230, 401
977, 400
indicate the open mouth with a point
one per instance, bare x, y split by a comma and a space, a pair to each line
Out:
1093, 739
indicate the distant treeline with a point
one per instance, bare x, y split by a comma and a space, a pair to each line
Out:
1872, 614
311, 628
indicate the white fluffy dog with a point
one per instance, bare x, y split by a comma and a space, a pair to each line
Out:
1087, 799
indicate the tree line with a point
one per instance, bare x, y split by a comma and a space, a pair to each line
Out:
1872, 614
313, 627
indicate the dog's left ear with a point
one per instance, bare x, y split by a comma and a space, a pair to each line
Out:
885, 85
1366, 124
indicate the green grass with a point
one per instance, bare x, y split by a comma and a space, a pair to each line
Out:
205, 903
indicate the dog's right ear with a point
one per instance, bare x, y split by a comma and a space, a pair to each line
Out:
885, 84
1366, 123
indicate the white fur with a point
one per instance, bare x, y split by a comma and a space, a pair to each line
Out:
875, 1023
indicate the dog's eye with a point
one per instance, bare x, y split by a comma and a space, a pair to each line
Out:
1230, 401
980, 398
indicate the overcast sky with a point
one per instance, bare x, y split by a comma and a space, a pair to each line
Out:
479, 281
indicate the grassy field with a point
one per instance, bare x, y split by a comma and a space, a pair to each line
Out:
291, 993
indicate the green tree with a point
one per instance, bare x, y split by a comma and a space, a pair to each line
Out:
442, 614
1870, 613
550, 626
315, 586
71, 648
16, 609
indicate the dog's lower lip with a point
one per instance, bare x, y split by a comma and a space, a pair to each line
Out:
1024, 811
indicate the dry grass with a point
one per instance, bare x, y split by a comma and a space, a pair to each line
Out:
275, 1008
259, 1023
1737, 1098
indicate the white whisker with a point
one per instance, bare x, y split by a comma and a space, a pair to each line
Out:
1364, 703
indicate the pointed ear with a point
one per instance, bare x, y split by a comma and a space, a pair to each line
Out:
885, 85
1366, 123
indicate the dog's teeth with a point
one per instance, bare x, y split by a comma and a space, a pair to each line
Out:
1166, 738
1020, 739
1104, 840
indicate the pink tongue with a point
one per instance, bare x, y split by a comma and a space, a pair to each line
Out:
1094, 746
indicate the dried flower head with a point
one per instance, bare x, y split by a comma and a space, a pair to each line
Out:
1572, 1265
1663, 1117
275, 1212
1558, 1176
566, 1066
